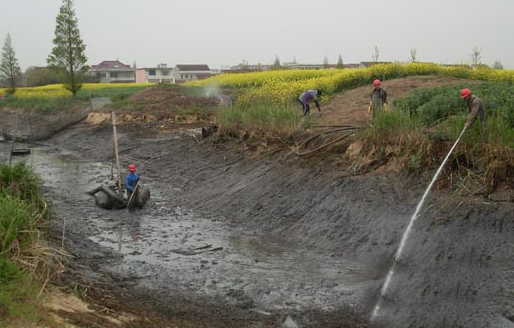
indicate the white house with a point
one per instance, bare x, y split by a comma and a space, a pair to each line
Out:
113, 71
159, 74
185, 73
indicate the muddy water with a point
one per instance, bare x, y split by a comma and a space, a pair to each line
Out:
168, 249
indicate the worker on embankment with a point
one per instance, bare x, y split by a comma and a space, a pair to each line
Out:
378, 99
131, 181
308, 95
475, 107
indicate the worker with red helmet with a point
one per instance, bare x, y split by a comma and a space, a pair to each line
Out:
378, 98
475, 107
131, 180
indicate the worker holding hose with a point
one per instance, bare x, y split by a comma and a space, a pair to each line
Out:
131, 180
308, 95
378, 99
475, 107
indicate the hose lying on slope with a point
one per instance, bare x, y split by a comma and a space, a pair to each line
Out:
350, 128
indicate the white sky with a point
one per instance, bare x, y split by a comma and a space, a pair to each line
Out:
226, 32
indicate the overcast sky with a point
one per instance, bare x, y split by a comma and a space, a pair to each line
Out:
226, 32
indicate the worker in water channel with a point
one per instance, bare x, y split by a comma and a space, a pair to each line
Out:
308, 95
131, 181
378, 99
475, 107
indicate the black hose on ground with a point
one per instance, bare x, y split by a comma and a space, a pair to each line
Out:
350, 128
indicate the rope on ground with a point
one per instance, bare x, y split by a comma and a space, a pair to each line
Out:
350, 128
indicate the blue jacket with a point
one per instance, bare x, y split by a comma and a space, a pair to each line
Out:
131, 181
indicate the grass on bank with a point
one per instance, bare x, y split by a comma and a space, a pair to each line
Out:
262, 121
26, 262
416, 134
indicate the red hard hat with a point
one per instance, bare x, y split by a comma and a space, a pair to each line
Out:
376, 82
464, 93
132, 167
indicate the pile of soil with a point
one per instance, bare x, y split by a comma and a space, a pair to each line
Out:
167, 101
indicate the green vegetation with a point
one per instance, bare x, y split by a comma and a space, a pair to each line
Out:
26, 264
52, 98
43, 105
68, 52
17, 294
9, 66
419, 130
438, 104
262, 120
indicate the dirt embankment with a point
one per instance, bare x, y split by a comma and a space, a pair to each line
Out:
29, 125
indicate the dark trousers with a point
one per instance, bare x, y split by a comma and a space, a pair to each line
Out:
306, 108
131, 199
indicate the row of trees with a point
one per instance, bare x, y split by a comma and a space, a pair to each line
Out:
66, 62
476, 57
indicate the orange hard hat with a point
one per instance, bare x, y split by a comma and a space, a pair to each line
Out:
376, 82
464, 93
132, 167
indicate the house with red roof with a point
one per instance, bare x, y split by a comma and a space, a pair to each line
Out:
113, 71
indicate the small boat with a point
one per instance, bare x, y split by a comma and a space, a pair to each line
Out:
20, 151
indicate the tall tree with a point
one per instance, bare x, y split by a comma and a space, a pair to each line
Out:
69, 49
276, 65
340, 64
497, 64
413, 54
325, 62
9, 67
38, 76
476, 56
376, 54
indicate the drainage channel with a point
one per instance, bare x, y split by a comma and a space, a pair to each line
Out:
163, 243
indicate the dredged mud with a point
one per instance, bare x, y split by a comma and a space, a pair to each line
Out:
237, 241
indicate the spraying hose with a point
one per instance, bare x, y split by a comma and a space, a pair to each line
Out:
408, 229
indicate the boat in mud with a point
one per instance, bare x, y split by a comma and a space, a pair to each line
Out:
107, 197
111, 196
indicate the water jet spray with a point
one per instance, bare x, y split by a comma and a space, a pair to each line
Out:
407, 231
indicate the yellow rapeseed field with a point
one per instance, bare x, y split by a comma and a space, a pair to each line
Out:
282, 87
58, 90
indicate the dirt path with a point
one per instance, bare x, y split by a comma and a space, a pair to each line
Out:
351, 107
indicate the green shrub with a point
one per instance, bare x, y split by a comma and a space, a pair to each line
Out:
17, 294
17, 225
266, 121
443, 106
19, 181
